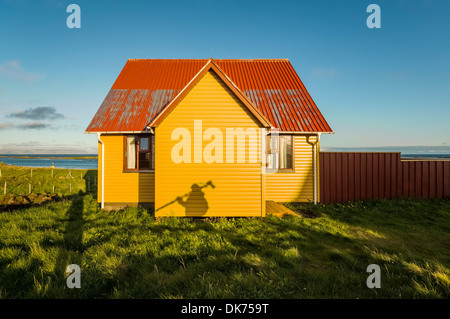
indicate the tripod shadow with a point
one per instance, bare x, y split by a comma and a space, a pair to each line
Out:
72, 245
73, 234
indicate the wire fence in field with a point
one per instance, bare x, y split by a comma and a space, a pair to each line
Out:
23, 181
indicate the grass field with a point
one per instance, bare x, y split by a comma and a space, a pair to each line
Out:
130, 254
56, 182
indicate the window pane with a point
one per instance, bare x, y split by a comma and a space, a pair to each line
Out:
144, 144
144, 160
272, 161
286, 152
272, 152
274, 142
153, 151
131, 152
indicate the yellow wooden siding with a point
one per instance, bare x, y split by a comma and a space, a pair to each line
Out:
123, 187
297, 186
237, 187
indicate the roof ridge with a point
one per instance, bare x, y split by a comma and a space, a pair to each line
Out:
158, 59
189, 59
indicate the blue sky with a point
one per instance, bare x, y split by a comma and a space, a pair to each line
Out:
376, 87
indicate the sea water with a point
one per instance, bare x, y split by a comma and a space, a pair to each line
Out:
47, 160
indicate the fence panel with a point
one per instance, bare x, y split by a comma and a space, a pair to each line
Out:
349, 176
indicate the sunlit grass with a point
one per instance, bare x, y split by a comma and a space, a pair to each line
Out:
62, 182
130, 254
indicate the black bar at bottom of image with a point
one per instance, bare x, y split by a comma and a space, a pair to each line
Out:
224, 308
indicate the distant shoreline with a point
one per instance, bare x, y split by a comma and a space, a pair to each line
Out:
51, 157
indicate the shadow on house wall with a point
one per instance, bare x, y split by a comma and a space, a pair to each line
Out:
194, 202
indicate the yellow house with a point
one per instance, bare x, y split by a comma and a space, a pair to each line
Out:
207, 137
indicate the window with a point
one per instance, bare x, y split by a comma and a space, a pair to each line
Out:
280, 152
139, 152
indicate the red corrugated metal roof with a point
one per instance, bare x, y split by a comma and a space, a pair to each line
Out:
146, 86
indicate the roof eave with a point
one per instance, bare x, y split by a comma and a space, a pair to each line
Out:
119, 132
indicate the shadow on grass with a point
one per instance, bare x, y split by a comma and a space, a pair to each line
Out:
290, 257
282, 258
72, 247
24, 276
270, 262
12, 202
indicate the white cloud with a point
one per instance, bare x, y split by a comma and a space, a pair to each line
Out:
26, 126
14, 70
324, 73
33, 126
7, 125
38, 113
35, 147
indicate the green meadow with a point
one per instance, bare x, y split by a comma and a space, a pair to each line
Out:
131, 254
25, 184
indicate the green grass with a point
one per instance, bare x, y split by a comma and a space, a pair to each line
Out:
130, 254
65, 181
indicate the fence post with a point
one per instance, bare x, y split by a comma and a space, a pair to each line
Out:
4, 192
29, 188
53, 189
0, 172
70, 188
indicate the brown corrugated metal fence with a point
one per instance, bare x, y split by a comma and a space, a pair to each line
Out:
365, 176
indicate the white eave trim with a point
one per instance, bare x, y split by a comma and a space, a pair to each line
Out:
120, 132
297, 132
